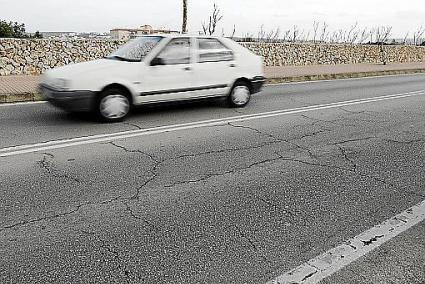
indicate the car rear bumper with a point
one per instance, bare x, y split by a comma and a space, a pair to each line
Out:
257, 83
74, 101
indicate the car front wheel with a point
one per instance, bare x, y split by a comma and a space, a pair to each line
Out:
113, 105
240, 95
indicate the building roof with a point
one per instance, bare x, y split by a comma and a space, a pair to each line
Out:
123, 29
182, 35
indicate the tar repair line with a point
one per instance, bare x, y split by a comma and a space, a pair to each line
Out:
57, 144
323, 266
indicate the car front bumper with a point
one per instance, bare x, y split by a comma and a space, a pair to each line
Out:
257, 83
73, 101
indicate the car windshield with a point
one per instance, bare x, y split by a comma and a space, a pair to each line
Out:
136, 49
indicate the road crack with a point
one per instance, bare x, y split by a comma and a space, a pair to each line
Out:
133, 125
48, 166
346, 157
320, 121
228, 172
134, 216
279, 140
351, 111
351, 170
420, 140
252, 244
150, 156
76, 209
46, 218
112, 251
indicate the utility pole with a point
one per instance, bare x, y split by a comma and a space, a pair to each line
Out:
184, 27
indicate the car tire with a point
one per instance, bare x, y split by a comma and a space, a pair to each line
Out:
240, 95
113, 105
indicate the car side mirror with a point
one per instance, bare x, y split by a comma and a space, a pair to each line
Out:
157, 61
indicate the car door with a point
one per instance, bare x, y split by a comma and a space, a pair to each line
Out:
215, 67
169, 76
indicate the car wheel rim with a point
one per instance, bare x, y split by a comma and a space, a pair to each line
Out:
114, 106
241, 95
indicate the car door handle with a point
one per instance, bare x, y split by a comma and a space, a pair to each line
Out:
187, 69
232, 65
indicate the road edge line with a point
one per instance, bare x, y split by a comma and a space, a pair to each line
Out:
335, 259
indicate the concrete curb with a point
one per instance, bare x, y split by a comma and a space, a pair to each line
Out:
33, 97
337, 76
18, 98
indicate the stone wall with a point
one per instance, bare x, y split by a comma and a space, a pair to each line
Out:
32, 57
311, 54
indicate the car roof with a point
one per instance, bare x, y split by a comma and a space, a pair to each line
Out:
227, 41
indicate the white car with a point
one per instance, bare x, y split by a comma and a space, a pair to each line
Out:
155, 69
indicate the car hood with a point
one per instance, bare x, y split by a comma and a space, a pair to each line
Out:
83, 68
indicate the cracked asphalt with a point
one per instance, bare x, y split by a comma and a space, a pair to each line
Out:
238, 203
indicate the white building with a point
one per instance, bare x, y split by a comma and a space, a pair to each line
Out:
126, 34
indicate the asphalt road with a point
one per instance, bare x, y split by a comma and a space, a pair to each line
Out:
239, 202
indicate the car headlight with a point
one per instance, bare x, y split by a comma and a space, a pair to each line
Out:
60, 84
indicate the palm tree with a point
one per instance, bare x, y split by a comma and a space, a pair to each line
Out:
184, 27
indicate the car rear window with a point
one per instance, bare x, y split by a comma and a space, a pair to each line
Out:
212, 50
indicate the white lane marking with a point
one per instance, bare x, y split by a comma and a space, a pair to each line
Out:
323, 266
22, 103
345, 79
57, 144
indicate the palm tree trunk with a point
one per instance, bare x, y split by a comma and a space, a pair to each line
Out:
184, 27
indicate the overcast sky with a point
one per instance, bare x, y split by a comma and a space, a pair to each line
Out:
247, 15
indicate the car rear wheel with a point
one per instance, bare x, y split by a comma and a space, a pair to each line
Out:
113, 105
240, 95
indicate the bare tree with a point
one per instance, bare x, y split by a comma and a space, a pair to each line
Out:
286, 35
379, 36
305, 36
233, 32
269, 36
364, 35
333, 38
418, 36
295, 34
273, 35
214, 19
371, 33
353, 33
315, 29
340, 36
405, 38
325, 34
247, 37
261, 34
382, 34
184, 26
276, 34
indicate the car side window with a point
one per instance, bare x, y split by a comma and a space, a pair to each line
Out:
177, 51
212, 50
